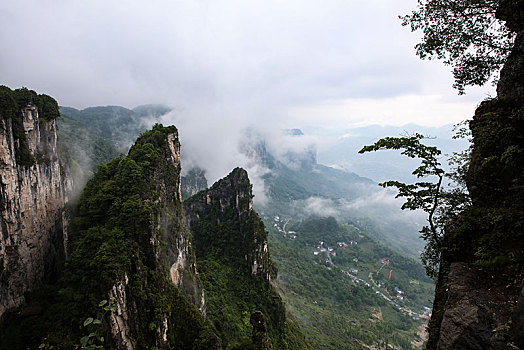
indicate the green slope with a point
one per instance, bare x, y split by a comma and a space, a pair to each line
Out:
334, 310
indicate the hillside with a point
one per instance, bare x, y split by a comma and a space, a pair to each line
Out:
131, 277
297, 186
118, 125
235, 265
335, 283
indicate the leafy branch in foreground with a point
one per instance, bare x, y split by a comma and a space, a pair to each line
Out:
94, 339
465, 34
441, 204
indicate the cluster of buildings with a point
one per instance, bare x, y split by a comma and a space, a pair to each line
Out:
320, 248
276, 224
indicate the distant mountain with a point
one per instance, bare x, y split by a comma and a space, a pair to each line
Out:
85, 147
193, 182
296, 185
382, 166
328, 231
118, 124
152, 110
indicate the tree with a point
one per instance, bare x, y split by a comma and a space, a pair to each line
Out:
442, 203
464, 34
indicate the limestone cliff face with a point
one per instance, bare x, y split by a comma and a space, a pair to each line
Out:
169, 252
129, 249
170, 220
231, 200
480, 308
33, 236
230, 243
479, 301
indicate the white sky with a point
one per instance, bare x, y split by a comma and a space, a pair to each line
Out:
297, 63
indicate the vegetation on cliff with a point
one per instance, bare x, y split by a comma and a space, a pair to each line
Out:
441, 204
234, 265
466, 35
111, 243
477, 38
11, 104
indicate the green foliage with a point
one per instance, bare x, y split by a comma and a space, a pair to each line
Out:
111, 245
93, 327
464, 34
84, 146
492, 228
224, 238
334, 313
441, 205
232, 295
8, 104
47, 106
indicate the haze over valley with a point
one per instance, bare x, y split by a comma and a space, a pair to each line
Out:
262, 175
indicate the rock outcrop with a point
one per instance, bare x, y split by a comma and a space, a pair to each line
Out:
166, 245
231, 199
479, 301
33, 194
480, 306
230, 243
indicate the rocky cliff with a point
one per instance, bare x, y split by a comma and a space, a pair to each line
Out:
479, 302
235, 266
130, 251
231, 200
145, 205
33, 193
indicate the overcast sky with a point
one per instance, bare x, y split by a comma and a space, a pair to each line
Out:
297, 63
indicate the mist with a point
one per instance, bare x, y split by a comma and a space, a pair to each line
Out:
227, 67
294, 63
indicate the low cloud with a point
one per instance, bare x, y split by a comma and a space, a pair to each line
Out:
321, 206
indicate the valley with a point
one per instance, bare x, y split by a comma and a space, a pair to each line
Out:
331, 280
333, 289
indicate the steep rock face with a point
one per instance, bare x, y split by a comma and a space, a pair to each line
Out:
130, 251
34, 229
479, 301
479, 307
177, 252
230, 242
166, 250
232, 198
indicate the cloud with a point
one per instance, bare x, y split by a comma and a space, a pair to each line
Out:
259, 56
229, 65
321, 206
427, 110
